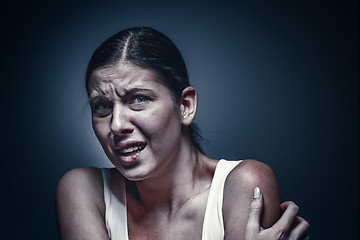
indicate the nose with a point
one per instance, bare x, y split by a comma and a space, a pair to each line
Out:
120, 123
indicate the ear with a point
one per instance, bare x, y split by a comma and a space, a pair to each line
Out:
188, 105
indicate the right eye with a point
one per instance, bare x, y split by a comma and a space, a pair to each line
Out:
101, 109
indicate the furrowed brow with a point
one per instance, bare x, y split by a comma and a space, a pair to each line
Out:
97, 98
134, 90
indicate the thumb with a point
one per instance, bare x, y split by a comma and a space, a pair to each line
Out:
256, 206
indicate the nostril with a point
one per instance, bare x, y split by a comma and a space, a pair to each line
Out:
126, 131
121, 134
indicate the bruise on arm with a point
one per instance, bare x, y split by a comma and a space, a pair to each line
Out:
238, 194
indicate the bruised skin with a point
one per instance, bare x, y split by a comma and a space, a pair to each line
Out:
238, 194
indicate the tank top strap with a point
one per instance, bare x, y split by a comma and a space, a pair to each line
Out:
115, 204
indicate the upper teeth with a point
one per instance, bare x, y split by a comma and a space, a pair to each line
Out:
130, 149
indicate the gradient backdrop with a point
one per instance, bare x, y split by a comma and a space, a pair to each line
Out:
277, 81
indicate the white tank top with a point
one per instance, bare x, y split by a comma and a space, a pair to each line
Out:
115, 204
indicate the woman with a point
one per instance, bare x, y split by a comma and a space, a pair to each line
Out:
162, 186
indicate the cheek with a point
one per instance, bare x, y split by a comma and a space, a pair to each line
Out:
101, 130
163, 125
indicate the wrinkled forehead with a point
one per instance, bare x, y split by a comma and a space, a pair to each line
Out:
121, 77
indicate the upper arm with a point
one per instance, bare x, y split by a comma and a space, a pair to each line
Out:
238, 194
80, 205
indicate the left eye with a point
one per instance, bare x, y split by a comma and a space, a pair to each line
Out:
139, 99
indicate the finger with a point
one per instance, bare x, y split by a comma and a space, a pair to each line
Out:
256, 206
299, 230
285, 205
281, 227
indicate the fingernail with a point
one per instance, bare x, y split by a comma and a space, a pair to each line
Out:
257, 193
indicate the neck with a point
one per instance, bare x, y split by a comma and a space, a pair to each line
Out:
184, 177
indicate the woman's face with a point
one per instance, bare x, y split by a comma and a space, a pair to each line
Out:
135, 119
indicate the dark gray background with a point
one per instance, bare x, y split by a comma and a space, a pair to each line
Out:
277, 82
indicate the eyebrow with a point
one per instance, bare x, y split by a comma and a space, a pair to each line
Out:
132, 91
127, 93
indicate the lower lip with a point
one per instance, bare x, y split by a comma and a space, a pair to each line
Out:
131, 159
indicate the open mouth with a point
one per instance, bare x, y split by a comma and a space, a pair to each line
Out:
131, 149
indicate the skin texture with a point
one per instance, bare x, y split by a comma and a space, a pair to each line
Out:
80, 205
135, 109
238, 194
168, 179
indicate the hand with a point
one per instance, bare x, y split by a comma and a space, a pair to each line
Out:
288, 227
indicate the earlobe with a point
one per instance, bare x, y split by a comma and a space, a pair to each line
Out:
188, 105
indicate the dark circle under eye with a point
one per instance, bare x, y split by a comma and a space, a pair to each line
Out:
102, 109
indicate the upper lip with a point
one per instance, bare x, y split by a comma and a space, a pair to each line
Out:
125, 145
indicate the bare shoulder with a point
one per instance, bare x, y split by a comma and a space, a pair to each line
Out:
81, 183
80, 176
238, 194
80, 205
251, 173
